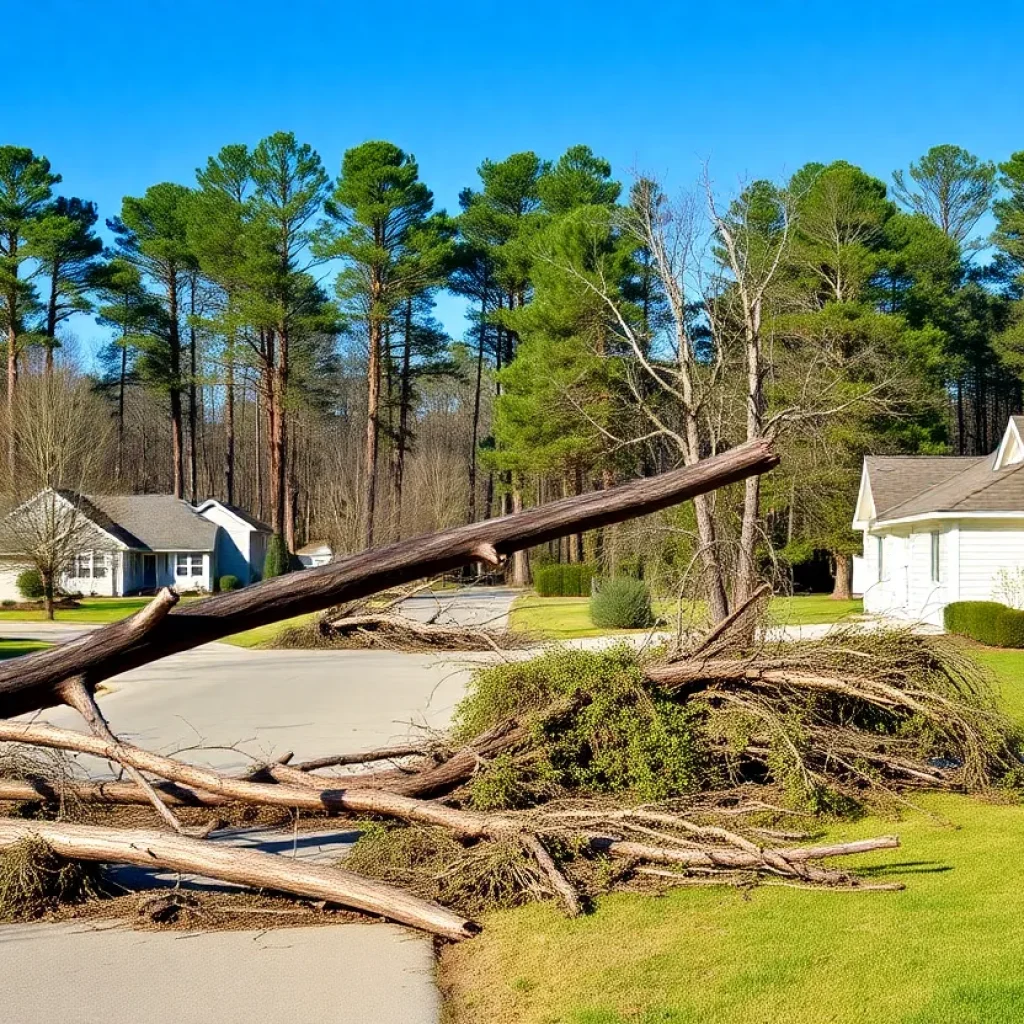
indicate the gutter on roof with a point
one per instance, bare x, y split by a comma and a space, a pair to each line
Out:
924, 516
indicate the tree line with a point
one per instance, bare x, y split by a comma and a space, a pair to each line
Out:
273, 340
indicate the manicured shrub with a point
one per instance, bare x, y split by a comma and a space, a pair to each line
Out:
30, 585
563, 580
229, 582
1010, 628
621, 603
988, 622
547, 580
277, 562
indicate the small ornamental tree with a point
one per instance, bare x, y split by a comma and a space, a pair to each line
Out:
277, 562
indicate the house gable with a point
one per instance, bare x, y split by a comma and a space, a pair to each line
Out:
1011, 447
76, 505
864, 511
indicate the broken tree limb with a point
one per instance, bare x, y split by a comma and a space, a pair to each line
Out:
734, 859
559, 883
173, 795
28, 683
76, 694
366, 757
468, 824
150, 849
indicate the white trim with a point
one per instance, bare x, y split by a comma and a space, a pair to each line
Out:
923, 517
864, 511
200, 509
1011, 442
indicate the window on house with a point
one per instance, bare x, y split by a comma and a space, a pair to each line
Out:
881, 564
189, 565
936, 557
100, 565
83, 565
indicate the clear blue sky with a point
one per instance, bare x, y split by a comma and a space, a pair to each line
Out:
120, 95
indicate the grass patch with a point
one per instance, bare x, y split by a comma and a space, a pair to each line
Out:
568, 618
945, 951
101, 610
90, 610
263, 636
16, 648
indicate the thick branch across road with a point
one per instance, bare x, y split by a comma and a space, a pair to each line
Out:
28, 683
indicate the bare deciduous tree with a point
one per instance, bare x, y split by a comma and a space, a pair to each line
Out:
59, 435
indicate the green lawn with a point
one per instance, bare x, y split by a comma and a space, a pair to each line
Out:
948, 950
16, 648
113, 609
564, 618
93, 609
262, 634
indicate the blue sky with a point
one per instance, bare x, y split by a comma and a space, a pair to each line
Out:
121, 95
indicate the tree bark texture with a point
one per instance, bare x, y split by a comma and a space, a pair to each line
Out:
28, 683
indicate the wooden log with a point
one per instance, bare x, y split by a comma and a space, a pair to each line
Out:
426, 781
151, 849
28, 683
360, 801
105, 792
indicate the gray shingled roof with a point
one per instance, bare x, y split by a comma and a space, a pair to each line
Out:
255, 523
896, 479
914, 486
159, 522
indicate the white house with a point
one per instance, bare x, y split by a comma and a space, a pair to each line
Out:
939, 529
138, 543
314, 554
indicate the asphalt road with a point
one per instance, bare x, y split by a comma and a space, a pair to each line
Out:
223, 706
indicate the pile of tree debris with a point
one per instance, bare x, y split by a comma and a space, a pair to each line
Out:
576, 771
563, 774
381, 626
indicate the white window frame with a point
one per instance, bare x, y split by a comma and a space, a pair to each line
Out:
92, 565
881, 558
935, 539
187, 564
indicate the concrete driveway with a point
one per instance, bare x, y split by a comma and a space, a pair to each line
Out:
227, 705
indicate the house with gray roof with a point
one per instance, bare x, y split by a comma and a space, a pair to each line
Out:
939, 529
131, 544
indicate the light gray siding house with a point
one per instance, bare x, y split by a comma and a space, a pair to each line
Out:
939, 529
140, 543
314, 554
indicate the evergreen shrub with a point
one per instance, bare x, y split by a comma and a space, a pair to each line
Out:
622, 603
30, 585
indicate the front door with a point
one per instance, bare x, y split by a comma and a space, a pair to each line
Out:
149, 572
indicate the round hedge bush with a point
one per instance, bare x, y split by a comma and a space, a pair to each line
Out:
30, 585
622, 603
229, 582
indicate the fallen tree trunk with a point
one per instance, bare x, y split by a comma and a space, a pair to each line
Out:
467, 824
424, 781
105, 792
29, 683
150, 849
